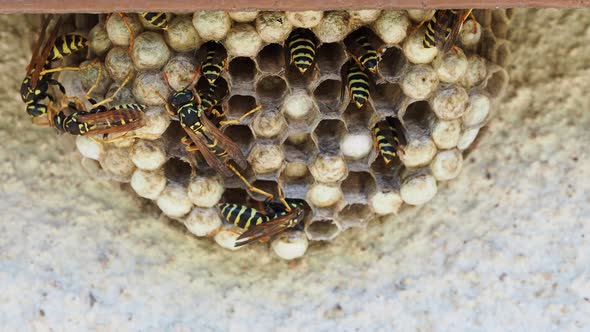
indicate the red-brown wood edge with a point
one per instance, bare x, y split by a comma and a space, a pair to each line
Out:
97, 6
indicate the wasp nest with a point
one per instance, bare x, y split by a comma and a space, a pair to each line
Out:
318, 145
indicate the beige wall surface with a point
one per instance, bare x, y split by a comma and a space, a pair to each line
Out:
504, 247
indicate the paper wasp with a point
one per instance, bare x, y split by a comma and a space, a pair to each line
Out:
362, 51
276, 216
98, 120
301, 47
386, 139
443, 28
75, 120
203, 135
48, 47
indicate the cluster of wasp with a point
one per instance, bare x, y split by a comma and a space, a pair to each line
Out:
199, 112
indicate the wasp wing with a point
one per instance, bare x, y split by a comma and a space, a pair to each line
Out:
212, 160
40, 57
119, 115
452, 38
266, 229
37, 46
224, 142
99, 128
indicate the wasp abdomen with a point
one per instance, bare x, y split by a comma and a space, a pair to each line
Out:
158, 20
241, 215
439, 28
66, 45
358, 84
302, 49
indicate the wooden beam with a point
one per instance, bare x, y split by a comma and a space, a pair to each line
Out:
97, 6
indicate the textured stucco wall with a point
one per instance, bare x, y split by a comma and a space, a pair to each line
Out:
504, 247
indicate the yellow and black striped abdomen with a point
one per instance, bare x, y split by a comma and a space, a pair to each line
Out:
213, 66
439, 28
158, 20
212, 144
386, 141
301, 50
369, 58
66, 45
241, 215
358, 84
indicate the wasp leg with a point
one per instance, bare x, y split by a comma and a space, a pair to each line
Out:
231, 230
237, 121
401, 148
249, 186
131, 34
59, 85
166, 105
98, 76
58, 69
78, 103
115, 139
474, 20
190, 146
281, 196
111, 98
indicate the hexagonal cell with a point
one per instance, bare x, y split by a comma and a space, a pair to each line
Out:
300, 81
322, 230
300, 110
420, 148
501, 22
300, 147
328, 96
497, 83
213, 92
355, 215
296, 186
418, 114
387, 177
502, 54
271, 89
269, 186
241, 135
486, 44
266, 160
238, 105
359, 119
330, 57
178, 171
235, 196
269, 124
242, 71
358, 187
392, 64
387, 99
328, 134
271, 59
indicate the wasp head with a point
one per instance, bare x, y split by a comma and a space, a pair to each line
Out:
181, 97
